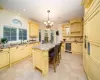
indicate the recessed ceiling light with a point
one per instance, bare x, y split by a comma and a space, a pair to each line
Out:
24, 9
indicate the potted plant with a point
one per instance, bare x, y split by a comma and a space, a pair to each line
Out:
4, 41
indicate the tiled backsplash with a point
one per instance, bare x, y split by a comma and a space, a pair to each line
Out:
74, 39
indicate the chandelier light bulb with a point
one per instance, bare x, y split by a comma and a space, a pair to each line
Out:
52, 23
44, 22
49, 21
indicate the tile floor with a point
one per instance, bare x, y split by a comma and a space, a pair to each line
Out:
70, 68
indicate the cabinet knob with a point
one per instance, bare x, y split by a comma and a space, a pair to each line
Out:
1, 50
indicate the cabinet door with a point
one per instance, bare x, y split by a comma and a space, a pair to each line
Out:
4, 59
93, 29
22, 52
38, 58
33, 30
76, 29
87, 3
63, 31
16, 53
77, 48
27, 50
93, 69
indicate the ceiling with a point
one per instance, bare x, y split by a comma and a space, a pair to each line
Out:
61, 10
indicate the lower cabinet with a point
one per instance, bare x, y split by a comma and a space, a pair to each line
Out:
77, 48
14, 54
27, 50
20, 52
4, 59
63, 47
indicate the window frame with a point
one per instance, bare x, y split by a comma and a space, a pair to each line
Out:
39, 35
9, 38
22, 34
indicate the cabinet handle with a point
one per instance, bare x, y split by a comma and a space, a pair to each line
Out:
1, 50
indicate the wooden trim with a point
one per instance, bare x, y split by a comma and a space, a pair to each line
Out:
94, 15
91, 14
91, 10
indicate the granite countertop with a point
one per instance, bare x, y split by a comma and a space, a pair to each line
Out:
17, 45
46, 46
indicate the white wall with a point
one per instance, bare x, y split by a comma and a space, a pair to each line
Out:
58, 28
6, 18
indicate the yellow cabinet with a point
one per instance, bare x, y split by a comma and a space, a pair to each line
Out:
63, 31
4, 58
73, 29
93, 28
77, 48
66, 27
91, 31
76, 29
86, 3
33, 29
63, 47
92, 68
16, 54
27, 50
40, 60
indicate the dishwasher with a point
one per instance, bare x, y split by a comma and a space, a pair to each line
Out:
68, 47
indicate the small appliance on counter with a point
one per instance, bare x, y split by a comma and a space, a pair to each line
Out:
64, 40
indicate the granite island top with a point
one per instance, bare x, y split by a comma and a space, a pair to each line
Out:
73, 42
46, 46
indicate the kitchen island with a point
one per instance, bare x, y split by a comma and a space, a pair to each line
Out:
41, 57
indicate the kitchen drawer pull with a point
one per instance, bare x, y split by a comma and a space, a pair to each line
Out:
1, 50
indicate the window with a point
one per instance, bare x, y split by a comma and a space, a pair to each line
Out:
22, 34
68, 31
10, 33
52, 36
40, 35
46, 36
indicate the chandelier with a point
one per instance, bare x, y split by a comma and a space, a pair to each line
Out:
48, 23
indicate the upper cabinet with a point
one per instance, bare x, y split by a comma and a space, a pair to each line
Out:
66, 29
86, 3
76, 27
33, 29
73, 28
